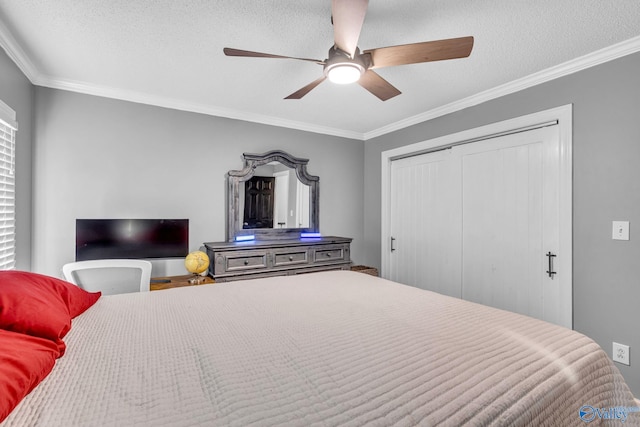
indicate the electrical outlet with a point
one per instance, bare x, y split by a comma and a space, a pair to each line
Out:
621, 353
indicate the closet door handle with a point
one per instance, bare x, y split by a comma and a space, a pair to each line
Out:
393, 246
550, 271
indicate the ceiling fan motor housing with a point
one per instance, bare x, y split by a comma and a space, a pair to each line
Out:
339, 60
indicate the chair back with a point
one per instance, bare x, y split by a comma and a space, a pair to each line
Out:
110, 276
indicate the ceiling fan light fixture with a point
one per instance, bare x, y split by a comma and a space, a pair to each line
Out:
345, 73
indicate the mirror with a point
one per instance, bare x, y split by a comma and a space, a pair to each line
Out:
272, 197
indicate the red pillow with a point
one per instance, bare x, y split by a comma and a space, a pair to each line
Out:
24, 362
40, 305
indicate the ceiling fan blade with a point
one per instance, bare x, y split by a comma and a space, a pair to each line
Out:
421, 52
247, 53
305, 90
378, 86
348, 17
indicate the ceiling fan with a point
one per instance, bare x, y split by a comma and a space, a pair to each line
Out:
346, 64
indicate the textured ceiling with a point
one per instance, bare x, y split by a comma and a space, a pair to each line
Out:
169, 52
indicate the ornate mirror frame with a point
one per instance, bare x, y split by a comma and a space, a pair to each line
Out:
236, 178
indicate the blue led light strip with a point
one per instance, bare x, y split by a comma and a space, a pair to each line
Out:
306, 235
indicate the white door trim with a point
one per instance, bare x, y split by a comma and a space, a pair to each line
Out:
563, 115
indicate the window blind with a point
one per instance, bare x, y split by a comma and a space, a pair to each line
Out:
7, 192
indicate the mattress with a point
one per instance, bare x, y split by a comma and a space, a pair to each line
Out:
321, 349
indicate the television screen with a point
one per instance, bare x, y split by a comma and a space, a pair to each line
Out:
131, 238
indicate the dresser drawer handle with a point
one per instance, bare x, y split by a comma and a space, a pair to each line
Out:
246, 262
290, 258
329, 254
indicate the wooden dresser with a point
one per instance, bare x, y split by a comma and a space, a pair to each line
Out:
263, 258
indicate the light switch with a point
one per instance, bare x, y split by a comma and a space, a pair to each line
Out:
620, 230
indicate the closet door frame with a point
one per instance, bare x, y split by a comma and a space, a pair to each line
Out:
563, 116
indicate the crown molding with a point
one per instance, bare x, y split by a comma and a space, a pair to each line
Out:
598, 57
17, 55
22, 60
177, 104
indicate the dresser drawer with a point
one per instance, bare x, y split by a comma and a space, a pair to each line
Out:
240, 262
290, 258
330, 254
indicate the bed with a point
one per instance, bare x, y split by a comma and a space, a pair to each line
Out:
320, 349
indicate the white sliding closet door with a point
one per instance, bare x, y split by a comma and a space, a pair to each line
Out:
510, 221
478, 220
425, 212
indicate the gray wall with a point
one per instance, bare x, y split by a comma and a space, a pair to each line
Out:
606, 187
99, 158
17, 92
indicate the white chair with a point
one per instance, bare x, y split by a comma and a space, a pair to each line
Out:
110, 276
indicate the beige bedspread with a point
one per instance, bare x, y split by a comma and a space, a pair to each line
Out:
322, 349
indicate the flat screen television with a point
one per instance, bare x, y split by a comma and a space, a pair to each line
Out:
131, 238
